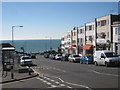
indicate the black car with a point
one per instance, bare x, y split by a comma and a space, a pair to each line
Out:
33, 56
65, 57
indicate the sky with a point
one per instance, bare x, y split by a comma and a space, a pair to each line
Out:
44, 20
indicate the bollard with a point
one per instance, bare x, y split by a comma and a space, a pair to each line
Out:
29, 71
12, 75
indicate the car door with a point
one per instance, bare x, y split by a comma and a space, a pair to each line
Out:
102, 59
98, 59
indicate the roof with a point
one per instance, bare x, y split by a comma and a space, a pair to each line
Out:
87, 47
7, 46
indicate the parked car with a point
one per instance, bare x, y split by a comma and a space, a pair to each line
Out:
46, 55
25, 61
87, 59
33, 56
106, 57
52, 56
58, 56
65, 57
74, 58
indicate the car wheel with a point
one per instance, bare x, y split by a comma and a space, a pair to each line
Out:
106, 64
96, 63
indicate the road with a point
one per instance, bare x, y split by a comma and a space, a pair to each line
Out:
61, 74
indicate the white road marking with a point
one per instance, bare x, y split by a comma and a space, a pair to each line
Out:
57, 82
104, 73
69, 87
62, 84
48, 83
53, 86
79, 85
52, 80
44, 81
40, 79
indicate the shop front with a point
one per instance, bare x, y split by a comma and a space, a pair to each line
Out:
88, 49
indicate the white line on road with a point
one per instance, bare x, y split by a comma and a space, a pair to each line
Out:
62, 84
103, 73
69, 87
53, 86
48, 83
52, 80
57, 82
78, 85
72, 83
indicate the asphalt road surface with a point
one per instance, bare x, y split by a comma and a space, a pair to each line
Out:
68, 75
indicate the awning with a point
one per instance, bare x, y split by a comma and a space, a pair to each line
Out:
87, 47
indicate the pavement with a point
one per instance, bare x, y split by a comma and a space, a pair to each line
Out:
19, 73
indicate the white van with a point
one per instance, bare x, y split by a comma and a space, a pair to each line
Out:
106, 57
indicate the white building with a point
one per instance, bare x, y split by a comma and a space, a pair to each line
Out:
89, 37
116, 37
81, 39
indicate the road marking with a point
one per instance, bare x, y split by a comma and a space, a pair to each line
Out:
44, 81
78, 85
52, 80
61, 80
57, 82
69, 87
62, 84
48, 83
52, 86
104, 73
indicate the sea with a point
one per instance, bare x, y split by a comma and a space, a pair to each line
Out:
35, 46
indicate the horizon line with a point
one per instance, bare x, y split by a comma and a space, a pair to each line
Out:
31, 39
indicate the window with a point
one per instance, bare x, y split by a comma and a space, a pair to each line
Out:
81, 40
74, 33
107, 34
90, 27
117, 31
90, 38
103, 22
81, 31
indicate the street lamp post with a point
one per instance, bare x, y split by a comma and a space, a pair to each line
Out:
12, 65
12, 32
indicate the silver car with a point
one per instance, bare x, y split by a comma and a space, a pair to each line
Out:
74, 58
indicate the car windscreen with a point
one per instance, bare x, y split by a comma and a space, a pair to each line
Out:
76, 56
25, 58
89, 56
59, 55
111, 54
